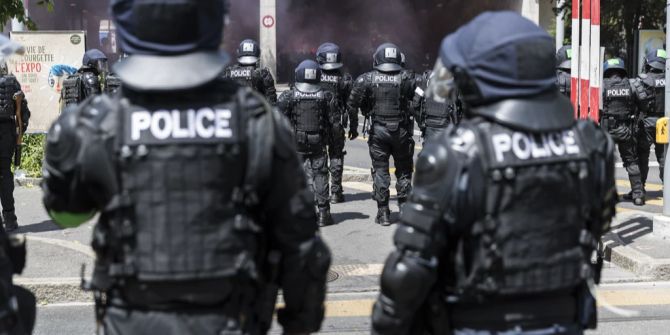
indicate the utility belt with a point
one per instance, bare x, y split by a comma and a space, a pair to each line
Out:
7, 117
609, 121
436, 122
392, 123
530, 313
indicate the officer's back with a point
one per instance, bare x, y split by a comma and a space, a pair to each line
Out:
508, 207
205, 212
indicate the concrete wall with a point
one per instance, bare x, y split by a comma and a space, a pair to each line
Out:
540, 12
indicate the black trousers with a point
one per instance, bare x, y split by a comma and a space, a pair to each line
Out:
383, 144
27, 311
316, 169
645, 139
7, 147
430, 132
336, 157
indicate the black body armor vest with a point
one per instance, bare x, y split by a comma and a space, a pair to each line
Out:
310, 112
8, 87
182, 213
618, 97
650, 90
386, 92
437, 113
534, 236
243, 75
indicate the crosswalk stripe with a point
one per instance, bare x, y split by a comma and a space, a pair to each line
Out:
365, 187
648, 186
620, 298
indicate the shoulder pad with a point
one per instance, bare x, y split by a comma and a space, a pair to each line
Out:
251, 102
595, 138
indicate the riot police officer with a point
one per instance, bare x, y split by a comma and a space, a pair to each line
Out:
432, 116
481, 248
649, 90
563, 68
338, 83
383, 96
309, 107
204, 208
91, 79
619, 119
10, 94
247, 71
17, 305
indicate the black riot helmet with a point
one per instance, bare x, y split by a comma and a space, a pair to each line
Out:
502, 65
655, 61
329, 56
388, 58
173, 44
564, 58
96, 60
615, 66
308, 76
249, 52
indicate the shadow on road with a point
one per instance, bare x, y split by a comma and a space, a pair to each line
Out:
357, 196
41, 227
629, 231
342, 217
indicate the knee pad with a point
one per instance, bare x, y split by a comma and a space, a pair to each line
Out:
633, 169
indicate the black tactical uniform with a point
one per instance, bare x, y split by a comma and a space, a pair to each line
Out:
649, 90
10, 90
91, 79
338, 83
481, 248
383, 95
204, 208
248, 73
17, 305
432, 116
619, 118
563, 68
309, 108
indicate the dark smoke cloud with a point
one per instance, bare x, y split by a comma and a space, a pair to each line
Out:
358, 26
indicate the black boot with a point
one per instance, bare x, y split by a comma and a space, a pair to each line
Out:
383, 216
337, 198
637, 190
401, 201
324, 217
9, 219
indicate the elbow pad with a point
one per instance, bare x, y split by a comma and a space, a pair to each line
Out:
405, 284
304, 287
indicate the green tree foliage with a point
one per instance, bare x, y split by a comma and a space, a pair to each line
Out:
33, 154
13, 9
620, 21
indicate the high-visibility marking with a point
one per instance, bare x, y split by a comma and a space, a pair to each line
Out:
574, 73
595, 63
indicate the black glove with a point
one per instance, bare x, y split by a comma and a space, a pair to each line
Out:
353, 134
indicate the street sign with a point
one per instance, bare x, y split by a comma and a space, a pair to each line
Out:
268, 21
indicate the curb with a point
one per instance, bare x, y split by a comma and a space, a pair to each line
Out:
618, 252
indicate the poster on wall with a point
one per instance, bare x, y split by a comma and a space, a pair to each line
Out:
49, 58
649, 40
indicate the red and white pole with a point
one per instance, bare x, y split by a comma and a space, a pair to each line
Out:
584, 60
574, 74
596, 63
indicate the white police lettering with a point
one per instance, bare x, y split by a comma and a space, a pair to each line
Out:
527, 146
310, 74
384, 78
305, 96
391, 53
248, 47
660, 83
622, 92
240, 73
205, 123
331, 57
325, 78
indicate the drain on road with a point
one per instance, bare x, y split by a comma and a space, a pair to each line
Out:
332, 276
